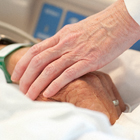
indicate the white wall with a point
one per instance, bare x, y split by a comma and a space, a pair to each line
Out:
24, 14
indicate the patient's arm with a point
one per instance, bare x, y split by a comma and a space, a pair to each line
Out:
94, 91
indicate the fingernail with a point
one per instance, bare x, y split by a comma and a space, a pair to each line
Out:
46, 94
27, 94
14, 77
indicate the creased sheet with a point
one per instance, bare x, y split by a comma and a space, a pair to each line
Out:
21, 118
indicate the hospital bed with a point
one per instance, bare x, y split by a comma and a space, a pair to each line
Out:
21, 118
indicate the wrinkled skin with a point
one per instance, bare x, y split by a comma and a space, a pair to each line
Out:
94, 91
75, 50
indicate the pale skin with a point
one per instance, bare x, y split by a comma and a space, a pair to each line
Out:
75, 50
94, 91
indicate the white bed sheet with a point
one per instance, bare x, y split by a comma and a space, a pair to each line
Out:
21, 118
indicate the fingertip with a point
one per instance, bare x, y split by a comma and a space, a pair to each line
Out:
14, 77
52, 89
45, 95
16, 74
29, 96
48, 94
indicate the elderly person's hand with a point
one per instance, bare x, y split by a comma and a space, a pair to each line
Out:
76, 50
94, 91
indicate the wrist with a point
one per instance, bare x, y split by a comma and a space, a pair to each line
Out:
120, 26
7, 47
2, 46
9, 56
12, 59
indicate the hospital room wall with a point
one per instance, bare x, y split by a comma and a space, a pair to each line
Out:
43, 18
25, 14
52, 15
16, 12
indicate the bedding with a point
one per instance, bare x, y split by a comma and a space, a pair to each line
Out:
21, 118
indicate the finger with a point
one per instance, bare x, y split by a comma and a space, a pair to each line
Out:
39, 62
78, 69
101, 93
106, 82
52, 71
121, 106
118, 97
25, 60
108, 85
42, 98
36, 66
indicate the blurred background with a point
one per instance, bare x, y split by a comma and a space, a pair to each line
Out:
43, 18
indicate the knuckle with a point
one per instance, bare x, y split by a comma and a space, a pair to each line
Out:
102, 75
36, 61
66, 27
49, 69
34, 50
70, 73
99, 74
69, 33
106, 75
94, 55
70, 38
108, 78
64, 30
96, 80
86, 63
19, 67
93, 78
